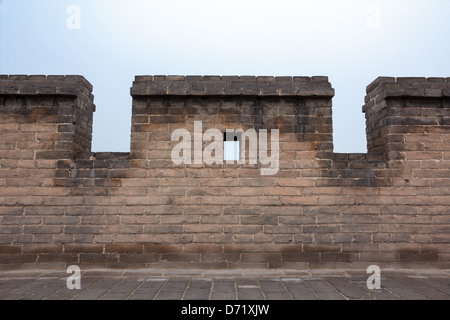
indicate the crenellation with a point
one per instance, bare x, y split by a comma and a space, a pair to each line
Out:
62, 203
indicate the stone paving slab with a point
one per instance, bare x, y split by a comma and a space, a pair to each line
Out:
224, 285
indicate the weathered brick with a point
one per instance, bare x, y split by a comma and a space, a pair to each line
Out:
317, 229
283, 248
440, 238
20, 220
296, 220
18, 258
84, 210
83, 248
65, 204
66, 258
123, 229
289, 191
124, 248
137, 220
133, 258
235, 248
257, 183
418, 257
282, 229
220, 200
339, 257
140, 182
161, 248
370, 228
100, 220
300, 257
98, 258
263, 220
80, 229
40, 248
222, 219
10, 249
178, 182
188, 200
25, 201
63, 201
243, 229
180, 257
129, 210
13, 211
302, 200
143, 201
42, 229
261, 257
203, 228
203, 248
295, 182
156, 229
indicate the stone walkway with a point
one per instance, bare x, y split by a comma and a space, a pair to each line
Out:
224, 285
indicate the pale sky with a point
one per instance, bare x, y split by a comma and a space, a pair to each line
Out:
110, 41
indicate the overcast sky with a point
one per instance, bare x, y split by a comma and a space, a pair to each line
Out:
111, 41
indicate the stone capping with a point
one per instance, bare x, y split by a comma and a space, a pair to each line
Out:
29, 85
318, 86
412, 87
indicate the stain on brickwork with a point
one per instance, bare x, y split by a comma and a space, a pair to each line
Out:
61, 204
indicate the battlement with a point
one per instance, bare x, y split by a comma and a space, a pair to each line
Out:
231, 86
62, 204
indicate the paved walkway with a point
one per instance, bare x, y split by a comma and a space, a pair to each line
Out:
224, 285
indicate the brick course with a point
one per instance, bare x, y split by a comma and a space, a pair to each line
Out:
61, 204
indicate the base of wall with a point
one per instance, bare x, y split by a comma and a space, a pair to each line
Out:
240, 268
213, 257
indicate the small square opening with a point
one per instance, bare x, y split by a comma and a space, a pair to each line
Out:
232, 146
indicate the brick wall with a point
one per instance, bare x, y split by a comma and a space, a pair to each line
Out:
60, 204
